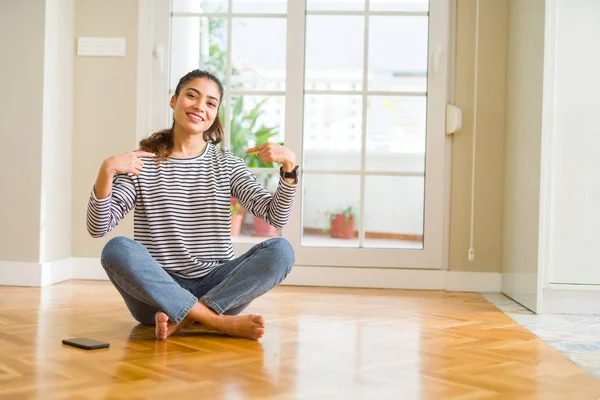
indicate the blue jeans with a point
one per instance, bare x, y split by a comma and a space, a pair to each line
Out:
228, 289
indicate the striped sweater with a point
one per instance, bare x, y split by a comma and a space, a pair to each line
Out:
182, 213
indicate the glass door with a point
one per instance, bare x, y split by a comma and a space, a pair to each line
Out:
357, 88
369, 116
244, 44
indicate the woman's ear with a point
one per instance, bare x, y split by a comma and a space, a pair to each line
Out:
173, 101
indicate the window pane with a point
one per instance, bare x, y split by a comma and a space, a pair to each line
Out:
335, 5
331, 204
199, 5
246, 228
258, 53
404, 68
332, 132
260, 6
197, 43
331, 62
256, 120
394, 211
396, 128
399, 5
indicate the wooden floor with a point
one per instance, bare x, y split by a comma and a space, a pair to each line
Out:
319, 344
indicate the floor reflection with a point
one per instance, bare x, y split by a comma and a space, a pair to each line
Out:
320, 343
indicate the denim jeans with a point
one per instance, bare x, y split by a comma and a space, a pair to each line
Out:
228, 289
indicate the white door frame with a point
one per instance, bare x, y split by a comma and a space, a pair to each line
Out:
433, 255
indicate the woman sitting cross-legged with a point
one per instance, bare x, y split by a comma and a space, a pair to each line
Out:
180, 267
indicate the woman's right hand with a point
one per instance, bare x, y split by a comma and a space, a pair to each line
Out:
127, 163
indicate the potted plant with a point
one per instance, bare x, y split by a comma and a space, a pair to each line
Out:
237, 216
341, 223
245, 130
245, 134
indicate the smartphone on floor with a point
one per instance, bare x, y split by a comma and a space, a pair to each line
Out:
85, 343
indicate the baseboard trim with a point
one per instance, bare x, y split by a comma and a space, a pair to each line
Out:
88, 269
465, 281
16, 273
564, 299
522, 288
56, 271
385, 278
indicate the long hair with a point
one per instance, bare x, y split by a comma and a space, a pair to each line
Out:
161, 143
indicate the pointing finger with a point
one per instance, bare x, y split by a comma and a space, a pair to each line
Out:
144, 154
255, 148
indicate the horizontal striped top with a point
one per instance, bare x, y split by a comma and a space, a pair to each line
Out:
182, 213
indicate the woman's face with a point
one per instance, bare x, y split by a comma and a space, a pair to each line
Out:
195, 108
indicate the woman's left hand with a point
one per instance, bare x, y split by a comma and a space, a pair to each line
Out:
273, 152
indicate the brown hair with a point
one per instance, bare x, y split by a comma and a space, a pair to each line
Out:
161, 142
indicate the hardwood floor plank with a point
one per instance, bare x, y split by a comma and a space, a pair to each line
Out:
320, 343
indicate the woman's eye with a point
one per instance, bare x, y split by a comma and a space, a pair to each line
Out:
212, 104
191, 96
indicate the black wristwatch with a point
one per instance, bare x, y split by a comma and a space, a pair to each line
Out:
293, 174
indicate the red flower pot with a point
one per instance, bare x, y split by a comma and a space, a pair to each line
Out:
340, 228
261, 228
236, 224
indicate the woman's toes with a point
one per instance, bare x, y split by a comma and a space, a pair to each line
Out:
259, 333
259, 319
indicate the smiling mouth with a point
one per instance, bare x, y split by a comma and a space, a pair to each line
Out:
195, 117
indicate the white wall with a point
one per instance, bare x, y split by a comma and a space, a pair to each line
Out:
36, 129
57, 137
490, 127
21, 105
524, 96
574, 236
105, 98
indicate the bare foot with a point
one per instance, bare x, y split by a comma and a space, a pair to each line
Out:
164, 328
245, 326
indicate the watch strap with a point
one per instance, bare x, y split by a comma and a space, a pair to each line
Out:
293, 174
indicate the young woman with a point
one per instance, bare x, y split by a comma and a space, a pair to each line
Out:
180, 267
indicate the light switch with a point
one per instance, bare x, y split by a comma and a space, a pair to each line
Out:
101, 46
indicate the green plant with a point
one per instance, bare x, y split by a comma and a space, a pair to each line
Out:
235, 206
244, 130
245, 133
217, 56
